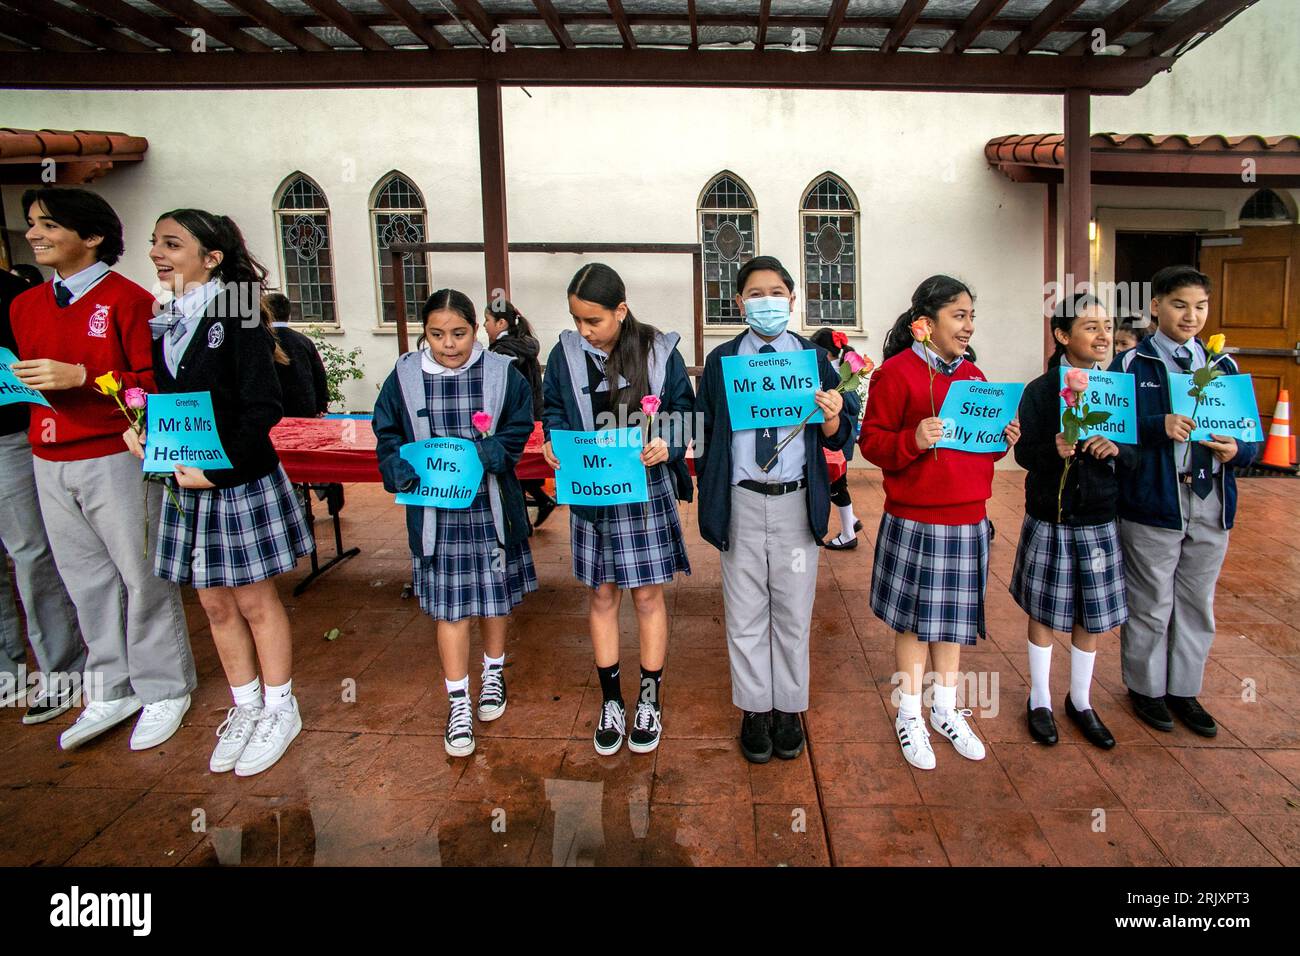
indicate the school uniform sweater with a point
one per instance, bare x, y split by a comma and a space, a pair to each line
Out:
951, 488
232, 356
1091, 489
304, 390
107, 330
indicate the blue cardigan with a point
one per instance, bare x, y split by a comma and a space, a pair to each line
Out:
713, 454
1148, 493
560, 410
499, 452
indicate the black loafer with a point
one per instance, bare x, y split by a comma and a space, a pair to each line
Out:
756, 737
849, 545
1042, 725
1190, 712
1152, 710
544, 509
1090, 725
787, 735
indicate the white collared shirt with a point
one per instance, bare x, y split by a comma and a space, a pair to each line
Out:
434, 367
191, 306
79, 283
932, 358
789, 465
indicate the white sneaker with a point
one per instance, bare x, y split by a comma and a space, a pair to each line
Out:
915, 741
952, 724
97, 717
274, 732
235, 732
158, 721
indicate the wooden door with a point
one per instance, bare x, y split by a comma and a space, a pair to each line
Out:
1255, 302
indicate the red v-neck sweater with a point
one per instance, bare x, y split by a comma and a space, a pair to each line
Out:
107, 330
950, 489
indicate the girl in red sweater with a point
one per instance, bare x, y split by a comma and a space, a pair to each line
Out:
931, 562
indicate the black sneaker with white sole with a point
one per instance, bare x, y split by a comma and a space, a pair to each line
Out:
492, 693
459, 739
610, 728
645, 729
47, 708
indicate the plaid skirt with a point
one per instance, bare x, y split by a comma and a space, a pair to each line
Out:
229, 537
632, 545
929, 579
466, 576
1065, 574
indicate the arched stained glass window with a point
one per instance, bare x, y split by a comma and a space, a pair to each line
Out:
729, 238
828, 219
397, 215
302, 219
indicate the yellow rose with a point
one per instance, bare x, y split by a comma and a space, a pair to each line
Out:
108, 384
1216, 343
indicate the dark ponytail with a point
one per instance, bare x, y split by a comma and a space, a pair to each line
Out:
216, 233
927, 301
629, 358
1067, 310
451, 299
516, 324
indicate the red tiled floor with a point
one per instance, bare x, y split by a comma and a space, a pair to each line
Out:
368, 781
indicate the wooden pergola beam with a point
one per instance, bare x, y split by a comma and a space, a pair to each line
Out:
412, 20
693, 19
282, 26
975, 23
37, 34
907, 18
1204, 18
764, 11
473, 11
346, 21
193, 16
1049, 20
620, 18
80, 26
553, 23
140, 22
1118, 23
834, 19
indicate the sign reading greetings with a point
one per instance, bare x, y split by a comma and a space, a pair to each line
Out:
599, 468
771, 389
976, 413
12, 390
1227, 407
1109, 392
181, 430
450, 473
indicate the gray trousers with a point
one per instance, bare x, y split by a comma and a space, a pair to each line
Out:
1170, 577
51, 618
132, 621
769, 581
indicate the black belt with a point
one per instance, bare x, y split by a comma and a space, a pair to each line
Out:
773, 488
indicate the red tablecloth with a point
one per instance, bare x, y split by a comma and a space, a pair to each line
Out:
322, 450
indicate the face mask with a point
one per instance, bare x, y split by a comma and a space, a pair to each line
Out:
768, 315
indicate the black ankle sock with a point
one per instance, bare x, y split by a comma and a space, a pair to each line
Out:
650, 686
610, 687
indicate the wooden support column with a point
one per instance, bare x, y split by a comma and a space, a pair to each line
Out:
1078, 189
492, 170
1049, 267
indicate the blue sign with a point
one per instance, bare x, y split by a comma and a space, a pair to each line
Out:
181, 430
771, 389
450, 473
975, 413
1109, 392
1228, 407
599, 468
12, 390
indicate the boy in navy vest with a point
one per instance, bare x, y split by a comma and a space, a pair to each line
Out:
767, 513
1175, 510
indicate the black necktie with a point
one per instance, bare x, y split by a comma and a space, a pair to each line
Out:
765, 438
62, 294
1202, 461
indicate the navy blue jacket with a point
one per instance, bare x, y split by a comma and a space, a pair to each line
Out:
1148, 492
713, 454
499, 452
560, 410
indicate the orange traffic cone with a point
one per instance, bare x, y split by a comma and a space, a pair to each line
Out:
1277, 452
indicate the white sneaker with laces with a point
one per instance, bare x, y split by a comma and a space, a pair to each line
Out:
235, 732
952, 724
97, 717
271, 737
158, 721
915, 741
459, 738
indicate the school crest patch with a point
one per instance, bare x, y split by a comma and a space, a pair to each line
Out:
98, 326
216, 335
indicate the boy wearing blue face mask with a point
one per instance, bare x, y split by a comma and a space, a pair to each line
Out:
767, 513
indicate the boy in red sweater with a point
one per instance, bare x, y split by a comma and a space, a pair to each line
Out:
86, 322
931, 563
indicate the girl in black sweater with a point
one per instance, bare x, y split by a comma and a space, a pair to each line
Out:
1069, 571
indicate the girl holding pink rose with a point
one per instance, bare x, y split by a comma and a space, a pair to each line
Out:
1069, 571
470, 562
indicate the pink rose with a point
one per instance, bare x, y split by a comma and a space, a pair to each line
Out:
920, 330
855, 361
136, 398
1070, 396
650, 405
482, 422
1076, 379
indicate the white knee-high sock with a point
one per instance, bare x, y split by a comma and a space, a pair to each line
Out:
945, 698
1081, 664
1040, 669
847, 520
909, 705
